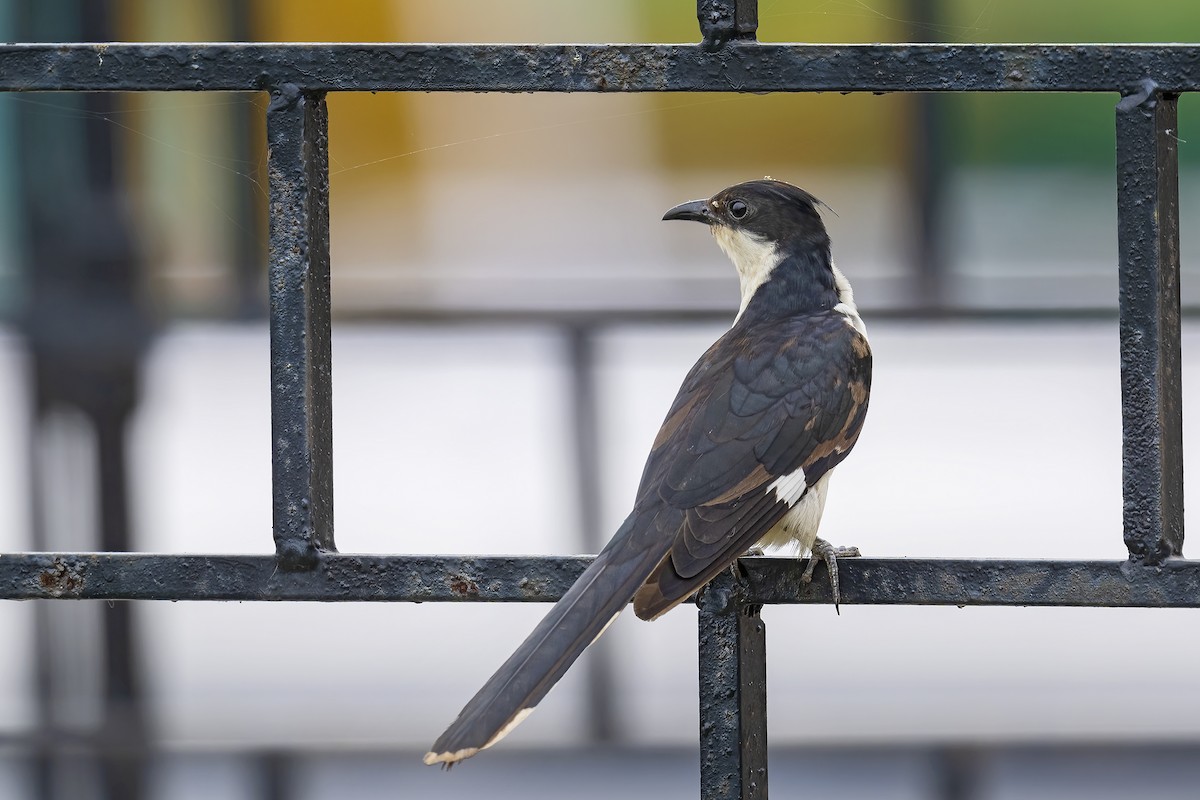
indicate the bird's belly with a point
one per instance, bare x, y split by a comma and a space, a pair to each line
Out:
797, 530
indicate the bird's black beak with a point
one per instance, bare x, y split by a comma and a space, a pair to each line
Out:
696, 211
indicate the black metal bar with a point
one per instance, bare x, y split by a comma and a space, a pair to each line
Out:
125, 736
1151, 379
248, 256
926, 171
87, 329
585, 423
45, 733
733, 693
722, 21
275, 769
342, 578
301, 382
736, 67
957, 773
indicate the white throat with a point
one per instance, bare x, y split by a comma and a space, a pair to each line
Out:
753, 258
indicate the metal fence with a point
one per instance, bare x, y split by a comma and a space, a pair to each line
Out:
306, 565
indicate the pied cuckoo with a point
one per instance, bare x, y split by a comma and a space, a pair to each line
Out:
743, 457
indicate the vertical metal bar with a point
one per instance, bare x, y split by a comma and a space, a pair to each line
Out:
42, 761
957, 773
245, 197
87, 330
301, 385
125, 736
927, 163
274, 768
722, 21
1151, 385
733, 694
585, 425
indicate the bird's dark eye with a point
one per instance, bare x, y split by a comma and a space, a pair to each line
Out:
738, 209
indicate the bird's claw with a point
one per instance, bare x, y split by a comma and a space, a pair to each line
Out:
826, 552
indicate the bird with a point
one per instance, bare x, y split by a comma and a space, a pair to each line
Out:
742, 459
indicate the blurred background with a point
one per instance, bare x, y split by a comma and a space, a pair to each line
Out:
512, 319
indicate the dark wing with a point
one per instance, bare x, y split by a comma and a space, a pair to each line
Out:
759, 405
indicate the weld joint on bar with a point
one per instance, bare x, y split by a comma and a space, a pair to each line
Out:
723, 596
284, 96
1143, 93
723, 21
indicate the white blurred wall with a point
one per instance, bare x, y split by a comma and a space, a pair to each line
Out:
982, 441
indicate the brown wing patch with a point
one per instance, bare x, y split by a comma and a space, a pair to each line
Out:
671, 425
847, 435
858, 391
757, 478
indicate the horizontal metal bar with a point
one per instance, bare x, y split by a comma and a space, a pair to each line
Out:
864, 581
736, 67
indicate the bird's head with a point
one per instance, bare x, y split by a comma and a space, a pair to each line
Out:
766, 211
764, 224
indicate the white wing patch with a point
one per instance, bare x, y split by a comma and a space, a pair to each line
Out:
789, 488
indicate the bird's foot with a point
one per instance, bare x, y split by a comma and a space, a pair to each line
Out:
826, 552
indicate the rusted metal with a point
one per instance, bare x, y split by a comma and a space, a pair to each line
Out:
733, 692
298, 277
528, 579
722, 21
1151, 374
739, 66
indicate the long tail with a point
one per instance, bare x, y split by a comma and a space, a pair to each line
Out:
575, 621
